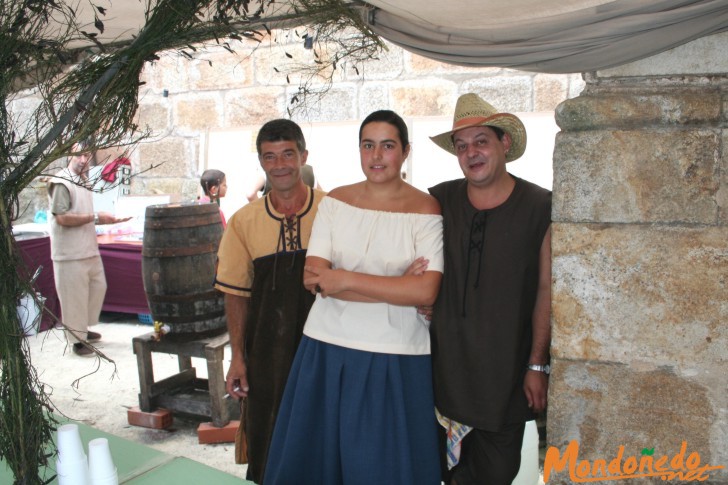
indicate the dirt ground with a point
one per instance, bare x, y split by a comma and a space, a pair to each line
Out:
99, 393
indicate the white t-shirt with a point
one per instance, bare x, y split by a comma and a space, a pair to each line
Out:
377, 243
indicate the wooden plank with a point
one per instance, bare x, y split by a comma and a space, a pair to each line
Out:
185, 362
216, 382
176, 381
146, 373
191, 348
188, 403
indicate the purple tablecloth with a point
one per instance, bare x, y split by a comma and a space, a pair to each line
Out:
122, 265
123, 268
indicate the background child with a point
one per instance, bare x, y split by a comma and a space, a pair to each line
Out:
214, 185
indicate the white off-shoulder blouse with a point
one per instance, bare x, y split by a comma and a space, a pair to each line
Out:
378, 243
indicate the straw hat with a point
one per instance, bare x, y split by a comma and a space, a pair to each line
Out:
470, 111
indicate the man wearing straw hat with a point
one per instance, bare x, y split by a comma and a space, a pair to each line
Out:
491, 323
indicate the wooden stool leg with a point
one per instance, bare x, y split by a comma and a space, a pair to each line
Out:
146, 373
185, 362
216, 383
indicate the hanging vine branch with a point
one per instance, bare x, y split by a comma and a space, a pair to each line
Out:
98, 98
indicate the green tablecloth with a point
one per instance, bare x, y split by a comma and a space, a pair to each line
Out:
140, 464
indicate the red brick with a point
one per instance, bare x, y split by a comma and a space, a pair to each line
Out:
207, 433
157, 419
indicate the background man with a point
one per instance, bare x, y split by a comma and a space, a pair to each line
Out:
491, 323
77, 267
260, 270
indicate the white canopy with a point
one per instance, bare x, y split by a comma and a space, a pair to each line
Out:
534, 35
545, 36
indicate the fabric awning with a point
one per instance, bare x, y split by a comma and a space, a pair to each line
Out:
536, 35
567, 36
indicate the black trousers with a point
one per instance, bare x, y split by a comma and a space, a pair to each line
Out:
486, 457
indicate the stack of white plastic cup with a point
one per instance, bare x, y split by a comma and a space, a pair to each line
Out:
71, 464
101, 467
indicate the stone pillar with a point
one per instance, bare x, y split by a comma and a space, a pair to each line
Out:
640, 263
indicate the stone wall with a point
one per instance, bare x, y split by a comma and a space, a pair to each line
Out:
640, 261
182, 98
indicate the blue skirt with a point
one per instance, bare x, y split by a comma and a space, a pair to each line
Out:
350, 416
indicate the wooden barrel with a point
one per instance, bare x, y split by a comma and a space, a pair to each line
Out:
179, 255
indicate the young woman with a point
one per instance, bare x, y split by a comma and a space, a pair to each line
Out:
358, 406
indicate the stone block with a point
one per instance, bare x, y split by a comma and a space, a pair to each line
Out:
509, 92
648, 294
168, 157
548, 91
184, 189
339, 104
576, 85
147, 78
424, 98
23, 105
221, 70
702, 56
387, 66
154, 116
722, 195
170, 72
659, 175
196, 113
273, 66
32, 198
253, 106
640, 108
417, 65
372, 96
605, 406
